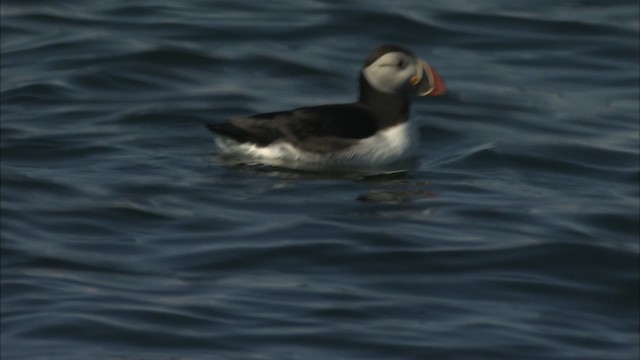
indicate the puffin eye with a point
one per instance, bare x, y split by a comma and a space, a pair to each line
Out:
401, 64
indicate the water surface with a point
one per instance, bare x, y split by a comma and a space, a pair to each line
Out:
515, 236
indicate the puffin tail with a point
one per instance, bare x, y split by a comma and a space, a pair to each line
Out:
227, 130
235, 133
216, 128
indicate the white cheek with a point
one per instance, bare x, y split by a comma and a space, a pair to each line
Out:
389, 79
385, 79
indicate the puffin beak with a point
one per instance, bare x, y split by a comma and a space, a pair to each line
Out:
427, 81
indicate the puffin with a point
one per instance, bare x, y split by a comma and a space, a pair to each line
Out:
373, 133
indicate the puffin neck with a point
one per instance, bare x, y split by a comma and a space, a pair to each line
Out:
389, 109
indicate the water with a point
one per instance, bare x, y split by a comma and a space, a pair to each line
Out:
124, 237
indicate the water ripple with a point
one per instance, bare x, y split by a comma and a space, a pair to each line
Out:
124, 236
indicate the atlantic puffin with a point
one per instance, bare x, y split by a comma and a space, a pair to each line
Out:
371, 133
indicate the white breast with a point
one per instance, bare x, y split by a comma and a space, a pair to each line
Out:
384, 148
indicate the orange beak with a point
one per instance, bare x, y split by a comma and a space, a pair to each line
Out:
427, 81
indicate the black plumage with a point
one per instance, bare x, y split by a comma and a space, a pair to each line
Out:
324, 128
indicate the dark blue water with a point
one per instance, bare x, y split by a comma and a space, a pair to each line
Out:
124, 237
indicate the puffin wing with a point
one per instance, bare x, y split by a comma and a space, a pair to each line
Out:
316, 129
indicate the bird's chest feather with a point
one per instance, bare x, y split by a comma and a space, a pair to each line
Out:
386, 146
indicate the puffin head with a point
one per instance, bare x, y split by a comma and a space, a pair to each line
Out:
391, 69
